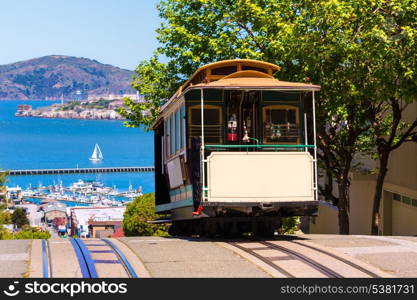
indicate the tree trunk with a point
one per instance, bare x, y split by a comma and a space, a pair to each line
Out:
383, 168
343, 205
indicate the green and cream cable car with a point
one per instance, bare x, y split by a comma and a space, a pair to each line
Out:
235, 151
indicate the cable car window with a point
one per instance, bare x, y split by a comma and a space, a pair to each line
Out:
172, 134
224, 70
177, 130
276, 116
281, 124
182, 125
254, 68
167, 138
213, 130
199, 77
291, 116
211, 116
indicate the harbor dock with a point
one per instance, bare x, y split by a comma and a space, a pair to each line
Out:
80, 170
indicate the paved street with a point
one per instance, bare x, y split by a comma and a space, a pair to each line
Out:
394, 255
174, 257
14, 258
193, 257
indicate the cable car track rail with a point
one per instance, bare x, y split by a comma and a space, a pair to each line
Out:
46, 259
299, 255
128, 268
360, 268
85, 253
314, 264
266, 260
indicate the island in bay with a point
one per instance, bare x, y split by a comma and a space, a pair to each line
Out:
55, 77
86, 88
96, 109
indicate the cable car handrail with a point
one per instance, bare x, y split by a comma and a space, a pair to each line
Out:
259, 146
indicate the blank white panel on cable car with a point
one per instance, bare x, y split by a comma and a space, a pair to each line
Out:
175, 173
260, 176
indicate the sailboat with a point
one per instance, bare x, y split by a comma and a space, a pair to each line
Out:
97, 155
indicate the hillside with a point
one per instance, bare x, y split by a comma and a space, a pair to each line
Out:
52, 76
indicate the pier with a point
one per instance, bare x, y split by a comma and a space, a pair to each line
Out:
80, 170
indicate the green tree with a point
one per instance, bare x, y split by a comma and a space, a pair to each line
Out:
3, 178
30, 233
27, 233
19, 218
396, 59
390, 132
5, 234
5, 217
137, 216
289, 225
341, 45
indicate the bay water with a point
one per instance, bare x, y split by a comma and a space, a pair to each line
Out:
39, 143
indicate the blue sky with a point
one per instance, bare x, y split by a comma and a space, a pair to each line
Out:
117, 32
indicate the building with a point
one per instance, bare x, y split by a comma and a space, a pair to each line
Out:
116, 104
80, 95
55, 210
24, 107
134, 97
14, 195
103, 229
96, 221
398, 210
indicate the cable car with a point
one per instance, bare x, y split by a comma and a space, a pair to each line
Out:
235, 151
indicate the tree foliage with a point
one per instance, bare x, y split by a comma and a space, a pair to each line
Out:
19, 218
289, 225
5, 217
362, 53
3, 178
27, 233
137, 215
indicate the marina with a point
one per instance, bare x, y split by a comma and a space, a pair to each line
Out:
86, 192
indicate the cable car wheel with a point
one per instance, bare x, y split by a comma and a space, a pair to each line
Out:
224, 227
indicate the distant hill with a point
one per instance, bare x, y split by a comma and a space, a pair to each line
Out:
50, 77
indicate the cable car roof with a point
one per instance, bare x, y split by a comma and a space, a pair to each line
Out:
250, 74
256, 83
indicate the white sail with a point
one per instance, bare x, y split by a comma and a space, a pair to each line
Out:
97, 155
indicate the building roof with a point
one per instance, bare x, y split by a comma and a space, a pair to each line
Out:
98, 223
55, 206
83, 215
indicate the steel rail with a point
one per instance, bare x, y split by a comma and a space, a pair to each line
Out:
263, 259
45, 259
87, 257
362, 269
81, 261
122, 258
50, 258
88, 269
